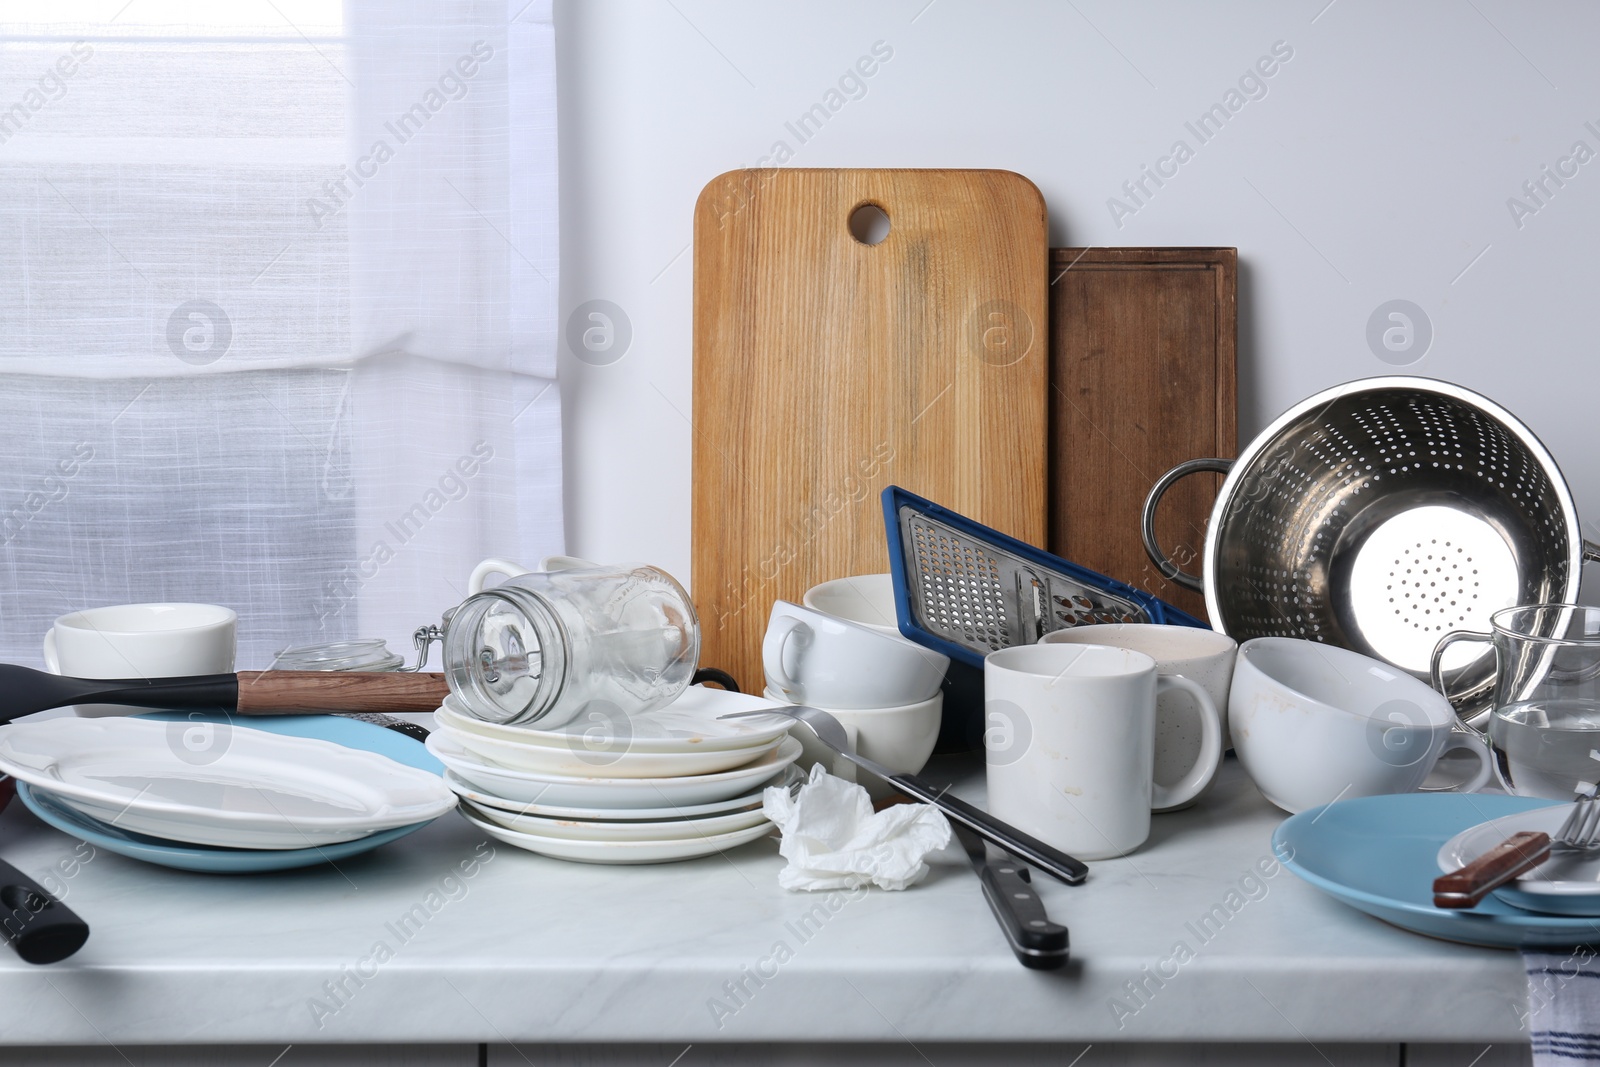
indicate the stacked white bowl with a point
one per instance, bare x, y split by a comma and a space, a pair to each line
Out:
671, 784
841, 651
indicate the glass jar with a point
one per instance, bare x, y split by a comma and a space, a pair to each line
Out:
545, 647
373, 655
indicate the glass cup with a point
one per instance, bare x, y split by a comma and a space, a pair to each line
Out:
1545, 726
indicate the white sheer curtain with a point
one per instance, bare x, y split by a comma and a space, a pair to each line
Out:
278, 322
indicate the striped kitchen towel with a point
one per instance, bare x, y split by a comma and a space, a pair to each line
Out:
1563, 1019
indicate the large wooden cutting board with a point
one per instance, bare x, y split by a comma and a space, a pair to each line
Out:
826, 368
1142, 377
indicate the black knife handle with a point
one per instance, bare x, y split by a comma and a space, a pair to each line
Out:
1037, 942
1029, 849
38, 926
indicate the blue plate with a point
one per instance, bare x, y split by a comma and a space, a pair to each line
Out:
1379, 854
349, 732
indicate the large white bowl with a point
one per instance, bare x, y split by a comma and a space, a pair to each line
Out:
1313, 723
901, 738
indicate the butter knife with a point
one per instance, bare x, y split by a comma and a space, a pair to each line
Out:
1037, 942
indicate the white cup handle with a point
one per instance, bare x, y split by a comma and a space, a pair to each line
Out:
1205, 765
51, 663
778, 633
1468, 742
492, 566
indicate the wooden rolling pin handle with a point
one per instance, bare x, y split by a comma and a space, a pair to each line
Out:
297, 692
1517, 854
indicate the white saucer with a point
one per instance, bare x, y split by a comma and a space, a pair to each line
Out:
467, 791
620, 852
1562, 885
688, 724
596, 756
598, 792
209, 783
621, 830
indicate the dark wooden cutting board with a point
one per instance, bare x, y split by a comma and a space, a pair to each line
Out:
1143, 376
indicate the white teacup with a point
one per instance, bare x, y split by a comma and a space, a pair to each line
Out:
814, 658
141, 641
1069, 748
1313, 723
864, 598
1203, 656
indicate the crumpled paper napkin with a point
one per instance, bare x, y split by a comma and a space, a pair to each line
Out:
834, 840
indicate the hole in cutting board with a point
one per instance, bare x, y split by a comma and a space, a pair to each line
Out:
869, 224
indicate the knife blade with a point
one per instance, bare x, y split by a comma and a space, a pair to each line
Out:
1037, 942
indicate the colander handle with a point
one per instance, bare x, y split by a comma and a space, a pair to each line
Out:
1170, 570
1436, 667
1591, 552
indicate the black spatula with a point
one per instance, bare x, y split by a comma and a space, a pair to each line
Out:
24, 691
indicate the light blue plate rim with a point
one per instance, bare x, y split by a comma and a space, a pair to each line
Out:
1413, 827
201, 858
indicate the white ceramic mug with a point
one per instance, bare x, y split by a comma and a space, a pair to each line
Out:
1200, 655
507, 569
141, 641
1313, 723
814, 658
1069, 744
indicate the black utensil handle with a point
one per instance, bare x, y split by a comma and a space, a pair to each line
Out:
1029, 849
1037, 942
38, 926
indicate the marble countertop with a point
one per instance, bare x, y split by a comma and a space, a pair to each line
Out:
448, 936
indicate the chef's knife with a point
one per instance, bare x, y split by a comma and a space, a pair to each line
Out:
246, 693
1047, 858
1037, 942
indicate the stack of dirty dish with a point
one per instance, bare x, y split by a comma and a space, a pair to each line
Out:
670, 784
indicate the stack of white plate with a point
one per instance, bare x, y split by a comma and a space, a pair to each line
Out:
671, 784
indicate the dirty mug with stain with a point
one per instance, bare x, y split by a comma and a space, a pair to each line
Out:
1069, 744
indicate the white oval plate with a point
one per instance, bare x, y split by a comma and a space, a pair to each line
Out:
526, 787
215, 784
467, 791
617, 830
618, 852
613, 758
688, 724
1574, 891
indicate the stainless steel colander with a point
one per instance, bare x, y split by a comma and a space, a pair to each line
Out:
1379, 516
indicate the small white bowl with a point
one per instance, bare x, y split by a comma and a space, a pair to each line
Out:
901, 738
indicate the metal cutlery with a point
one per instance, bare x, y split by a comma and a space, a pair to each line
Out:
1518, 854
1051, 860
1038, 943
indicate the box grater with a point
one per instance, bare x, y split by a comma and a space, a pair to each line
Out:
966, 590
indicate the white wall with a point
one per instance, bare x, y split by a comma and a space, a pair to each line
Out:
1377, 166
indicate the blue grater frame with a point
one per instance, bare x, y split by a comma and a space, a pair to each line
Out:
1135, 605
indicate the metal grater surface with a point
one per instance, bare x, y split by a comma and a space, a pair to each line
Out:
982, 597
